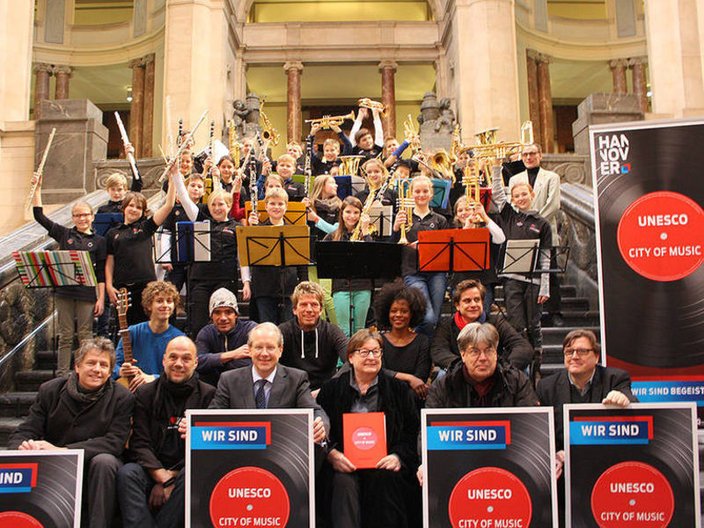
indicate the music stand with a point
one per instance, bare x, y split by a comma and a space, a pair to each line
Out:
344, 186
520, 256
278, 246
441, 193
357, 260
454, 250
381, 217
54, 269
295, 212
103, 222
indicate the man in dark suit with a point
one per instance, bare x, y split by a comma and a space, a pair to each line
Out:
582, 381
267, 384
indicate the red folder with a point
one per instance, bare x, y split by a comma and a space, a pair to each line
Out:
365, 438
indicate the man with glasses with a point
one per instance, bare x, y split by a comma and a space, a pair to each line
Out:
546, 186
583, 380
479, 381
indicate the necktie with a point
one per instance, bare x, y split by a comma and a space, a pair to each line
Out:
260, 395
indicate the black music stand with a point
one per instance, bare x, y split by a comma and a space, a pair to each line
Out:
275, 246
524, 257
357, 260
54, 269
381, 217
191, 241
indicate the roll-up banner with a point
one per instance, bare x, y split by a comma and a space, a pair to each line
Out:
488, 468
650, 245
41, 489
248, 468
636, 467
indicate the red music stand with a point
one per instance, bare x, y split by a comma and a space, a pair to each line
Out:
454, 250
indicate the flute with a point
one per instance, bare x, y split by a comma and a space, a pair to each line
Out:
125, 141
40, 170
182, 147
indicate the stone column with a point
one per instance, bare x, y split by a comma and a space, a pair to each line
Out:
42, 72
388, 96
148, 110
489, 99
640, 86
675, 37
533, 95
618, 76
137, 106
294, 70
62, 74
545, 102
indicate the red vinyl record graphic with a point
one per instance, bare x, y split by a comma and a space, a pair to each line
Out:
492, 496
14, 519
661, 236
632, 495
253, 496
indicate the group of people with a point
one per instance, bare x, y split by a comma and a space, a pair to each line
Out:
308, 341
131, 427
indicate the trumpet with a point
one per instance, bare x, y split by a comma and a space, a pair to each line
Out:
441, 162
327, 122
470, 180
365, 102
405, 203
410, 134
456, 146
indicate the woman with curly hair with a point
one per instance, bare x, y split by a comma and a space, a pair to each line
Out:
400, 308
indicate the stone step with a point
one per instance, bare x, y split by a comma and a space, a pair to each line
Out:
16, 404
7, 427
29, 380
45, 360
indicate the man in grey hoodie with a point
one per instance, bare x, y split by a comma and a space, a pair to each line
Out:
222, 344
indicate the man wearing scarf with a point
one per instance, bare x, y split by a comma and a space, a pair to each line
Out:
151, 486
479, 381
84, 410
469, 303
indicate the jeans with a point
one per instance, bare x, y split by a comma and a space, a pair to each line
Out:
361, 301
134, 485
271, 310
432, 286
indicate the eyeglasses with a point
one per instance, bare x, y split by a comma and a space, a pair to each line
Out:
581, 352
363, 352
82, 215
476, 352
528, 154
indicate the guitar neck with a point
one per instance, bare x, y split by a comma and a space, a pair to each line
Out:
126, 340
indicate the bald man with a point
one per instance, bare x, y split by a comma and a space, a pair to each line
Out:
157, 450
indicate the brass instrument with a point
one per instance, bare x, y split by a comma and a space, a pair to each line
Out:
405, 203
269, 133
327, 122
350, 165
373, 195
233, 145
411, 134
40, 170
488, 152
365, 102
441, 162
456, 146
470, 180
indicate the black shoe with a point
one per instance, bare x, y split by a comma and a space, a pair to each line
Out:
557, 320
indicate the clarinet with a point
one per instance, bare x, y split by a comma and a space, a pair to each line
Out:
253, 191
306, 166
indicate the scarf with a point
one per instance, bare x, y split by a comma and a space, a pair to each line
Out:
461, 323
80, 394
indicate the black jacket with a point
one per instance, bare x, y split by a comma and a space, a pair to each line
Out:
149, 433
512, 388
513, 347
99, 427
555, 391
396, 401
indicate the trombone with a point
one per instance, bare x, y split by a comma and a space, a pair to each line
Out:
327, 122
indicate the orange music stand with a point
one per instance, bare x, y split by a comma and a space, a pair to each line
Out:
454, 250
